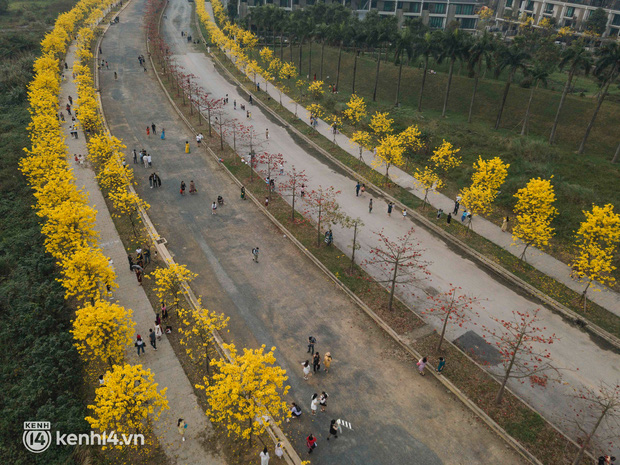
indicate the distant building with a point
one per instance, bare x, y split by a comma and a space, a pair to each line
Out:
435, 14
573, 14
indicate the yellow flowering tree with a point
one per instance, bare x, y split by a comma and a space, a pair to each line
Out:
597, 241
444, 157
126, 401
315, 110
128, 204
169, 281
86, 273
363, 139
245, 390
68, 225
488, 177
103, 331
535, 212
356, 109
316, 89
389, 152
428, 179
381, 125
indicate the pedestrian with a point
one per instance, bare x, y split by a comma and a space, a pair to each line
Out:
153, 128
192, 187
302, 191
363, 188
139, 344
421, 365
234, 104
266, 201
439, 213
311, 443
153, 338
148, 131
158, 331
404, 213
264, 457
441, 364
306, 369
186, 146
115, 75
279, 450
295, 410
158, 180
311, 342
281, 169
390, 207
464, 216
247, 113
157, 320
242, 192
70, 100
457, 203
316, 362
164, 311
370, 206
267, 134
255, 252
323, 401
163, 134
214, 208
139, 276
358, 186
130, 262
151, 180
333, 429
505, 224
327, 361
135, 157
181, 427
314, 403
182, 188
101, 380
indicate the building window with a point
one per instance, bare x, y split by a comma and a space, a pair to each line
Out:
616, 20
414, 7
388, 6
570, 12
549, 8
508, 3
468, 23
530, 5
400, 5
437, 8
284, 3
464, 9
435, 22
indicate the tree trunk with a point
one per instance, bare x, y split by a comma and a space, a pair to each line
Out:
310, 58
353, 250
617, 154
445, 100
527, 110
290, 48
586, 443
300, 48
318, 228
273, 40
393, 286
504, 97
354, 70
473, 95
400, 72
500, 393
423, 82
569, 80
209, 116
293, 202
321, 67
601, 97
443, 329
281, 46
338, 69
374, 94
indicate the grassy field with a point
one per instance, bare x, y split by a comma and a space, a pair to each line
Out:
579, 180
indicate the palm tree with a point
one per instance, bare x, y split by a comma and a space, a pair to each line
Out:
607, 67
539, 73
480, 51
576, 57
425, 46
404, 46
453, 47
513, 58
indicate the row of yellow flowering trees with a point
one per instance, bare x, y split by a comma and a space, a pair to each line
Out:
596, 240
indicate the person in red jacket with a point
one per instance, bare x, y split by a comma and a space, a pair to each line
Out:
311, 443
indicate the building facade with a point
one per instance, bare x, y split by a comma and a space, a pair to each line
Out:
435, 14
573, 14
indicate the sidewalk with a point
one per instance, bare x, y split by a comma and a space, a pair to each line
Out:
163, 363
547, 264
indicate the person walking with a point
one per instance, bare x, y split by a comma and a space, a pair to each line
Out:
358, 186
264, 457
457, 203
333, 429
281, 169
182, 191
131, 263
139, 344
363, 188
158, 331
266, 201
181, 427
327, 362
164, 311
370, 206
441, 365
151, 180
145, 161
404, 213
307, 369
279, 450
505, 224
192, 187
314, 403
464, 216
135, 157
255, 252
187, 147
267, 134
390, 207
115, 76
214, 208
316, 362
311, 443
421, 365
311, 342
139, 276
323, 401
449, 218
149, 160
148, 131
153, 339
153, 128
163, 134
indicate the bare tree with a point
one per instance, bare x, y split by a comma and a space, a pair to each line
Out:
322, 203
268, 164
292, 187
354, 223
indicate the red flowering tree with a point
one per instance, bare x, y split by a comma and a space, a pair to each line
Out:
521, 344
322, 205
211, 105
252, 140
268, 164
596, 407
291, 186
452, 306
400, 262
236, 130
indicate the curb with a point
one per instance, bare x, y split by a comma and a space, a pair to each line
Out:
555, 306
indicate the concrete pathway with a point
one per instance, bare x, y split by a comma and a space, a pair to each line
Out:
397, 415
586, 362
163, 363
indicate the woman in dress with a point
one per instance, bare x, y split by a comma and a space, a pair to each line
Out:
505, 224
186, 146
314, 403
327, 361
307, 369
421, 365
323, 400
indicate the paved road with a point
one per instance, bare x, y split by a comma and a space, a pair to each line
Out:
164, 364
586, 362
397, 415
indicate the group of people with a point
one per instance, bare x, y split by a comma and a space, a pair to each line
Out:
154, 180
155, 333
192, 188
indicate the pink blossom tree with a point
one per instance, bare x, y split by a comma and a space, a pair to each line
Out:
292, 185
323, 205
